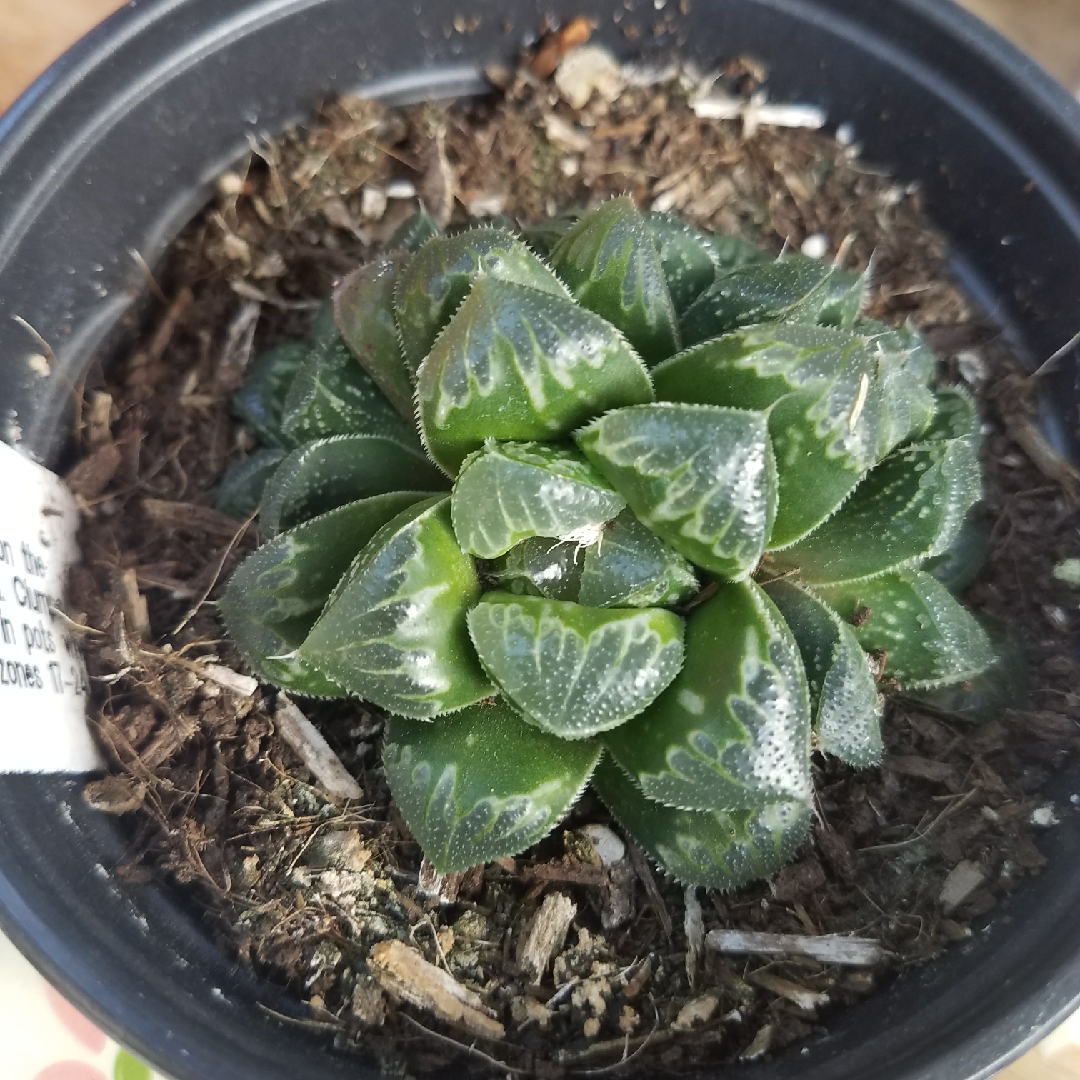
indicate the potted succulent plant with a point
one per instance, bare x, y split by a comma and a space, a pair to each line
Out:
785, 475
998, 158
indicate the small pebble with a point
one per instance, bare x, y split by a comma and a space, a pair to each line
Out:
815, 246
401, 189
1044, 816
591, 1028
845, 133
372, 202
1068, 570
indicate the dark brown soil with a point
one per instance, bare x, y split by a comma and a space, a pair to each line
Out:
303, 887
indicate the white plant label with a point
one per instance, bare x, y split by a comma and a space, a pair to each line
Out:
43, 688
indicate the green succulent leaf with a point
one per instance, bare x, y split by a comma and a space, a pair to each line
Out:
573, 670
732, 252
277, 593
414, 232
1004, 684
733, 729
717, 850
959, 564
333, 395
838, 402
394, 630
699, 476
927, 637
364, 310
322, 475
632, 567
507, 492
482, 784
540, 567
440, 275
242, 486
611, 263
260, 400
910, 507
955, 416
793, 288
688, 261
517, 363
323, 330
844, 701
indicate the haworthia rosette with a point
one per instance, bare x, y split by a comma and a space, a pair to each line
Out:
394, 630
277, 593
794, 288
631, 566
572, 670
908, 508
733, 729
332, 395
700, 476
481, 783
611, 263
364, 312
927, 638
517, 363
844, 700
838, 401
714, 849
260, 399
328, 473
439, 276
243, 485
507, 492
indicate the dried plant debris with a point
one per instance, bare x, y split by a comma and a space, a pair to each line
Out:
577, 956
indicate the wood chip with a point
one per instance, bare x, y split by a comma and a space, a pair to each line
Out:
555, 46
115, 794
191, 518
804, 998
91, 476
134, 603
828, 948
1026, 434
919, 767
545, 934
694, 927
587, 70
696, 1012
314, 751
407, 977
963, 879
244, 685
761, 1044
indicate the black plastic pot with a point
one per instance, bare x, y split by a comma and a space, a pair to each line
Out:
113, 149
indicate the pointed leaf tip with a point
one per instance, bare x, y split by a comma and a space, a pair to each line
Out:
926, 637
573, 670
845, 703
508, 492
394, 631
713, 849
517, 363
481, 784
699, 476
733, 728
611, 263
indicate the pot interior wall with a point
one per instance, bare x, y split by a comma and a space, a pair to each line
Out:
114, 149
